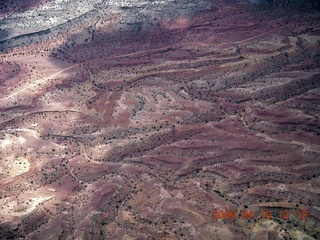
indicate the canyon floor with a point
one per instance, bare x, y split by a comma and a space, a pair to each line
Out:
159, 120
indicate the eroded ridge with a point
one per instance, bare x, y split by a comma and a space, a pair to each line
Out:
139, 120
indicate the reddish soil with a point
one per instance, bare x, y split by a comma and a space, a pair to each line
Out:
116, 127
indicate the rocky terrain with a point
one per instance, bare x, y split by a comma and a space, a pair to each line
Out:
159, 119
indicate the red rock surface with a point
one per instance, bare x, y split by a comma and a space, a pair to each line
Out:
137, 120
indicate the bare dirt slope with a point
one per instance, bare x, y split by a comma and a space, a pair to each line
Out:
141, 120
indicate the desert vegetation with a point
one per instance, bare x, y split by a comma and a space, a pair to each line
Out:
137, 120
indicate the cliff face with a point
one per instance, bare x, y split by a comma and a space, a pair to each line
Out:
159, 120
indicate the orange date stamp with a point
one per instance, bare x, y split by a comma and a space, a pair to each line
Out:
268, 214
